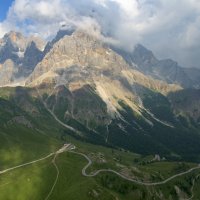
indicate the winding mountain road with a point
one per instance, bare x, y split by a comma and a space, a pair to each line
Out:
126, 178
69, 147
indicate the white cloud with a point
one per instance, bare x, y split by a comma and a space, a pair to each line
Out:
171, 28
2, 30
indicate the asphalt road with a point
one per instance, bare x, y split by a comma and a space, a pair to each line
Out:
130, 179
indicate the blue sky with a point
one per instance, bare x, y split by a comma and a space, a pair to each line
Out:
4, 6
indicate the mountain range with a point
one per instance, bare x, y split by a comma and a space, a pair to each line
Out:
20, 55
105, 95
83, 119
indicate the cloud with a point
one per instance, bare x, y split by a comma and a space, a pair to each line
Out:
169, 28
2, 30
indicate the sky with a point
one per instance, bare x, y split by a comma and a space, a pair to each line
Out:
170, 28
4, 6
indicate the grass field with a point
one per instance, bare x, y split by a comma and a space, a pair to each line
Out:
35, 181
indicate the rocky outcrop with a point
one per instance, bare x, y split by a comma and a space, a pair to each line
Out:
82, 50
61, 33
23, 52
7, 72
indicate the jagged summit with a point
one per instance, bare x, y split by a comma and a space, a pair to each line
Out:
167, 70
19, 41
143, 57
18, 56
79, 49
13, 36
63, 31
27, 52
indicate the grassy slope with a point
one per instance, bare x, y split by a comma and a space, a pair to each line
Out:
19, 144
34, 182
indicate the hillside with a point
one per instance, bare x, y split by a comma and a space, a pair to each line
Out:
29, 132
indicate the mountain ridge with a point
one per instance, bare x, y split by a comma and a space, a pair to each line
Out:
168, 70
140, 59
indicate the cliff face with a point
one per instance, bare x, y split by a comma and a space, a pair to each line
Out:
79, 49
7, 71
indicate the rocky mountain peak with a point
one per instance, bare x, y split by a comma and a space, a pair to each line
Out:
79, 49
63, 32
24, 52
166, 70
32, 56
140, 49
39, 42
20, 42
60, 34
13, 36
14, 39
143, 57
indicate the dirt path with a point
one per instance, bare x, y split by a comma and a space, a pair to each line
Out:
57, 176
25, 164
61, 150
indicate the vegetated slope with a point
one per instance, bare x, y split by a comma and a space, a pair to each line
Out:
29, 132
91, 88
35, 182
24, 132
